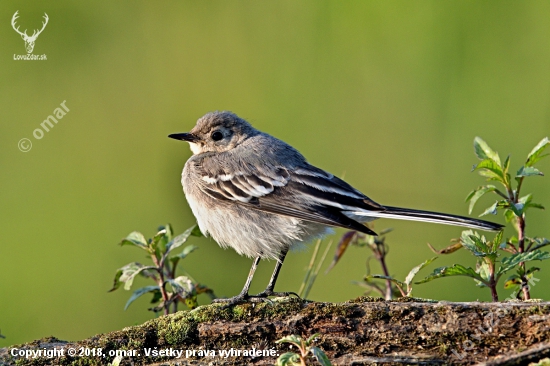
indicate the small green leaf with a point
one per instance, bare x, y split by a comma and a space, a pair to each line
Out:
538, 243
480, 243
483, 151
297, 340
534, 205
474, 243
156, 242
182, 285
517, 208
484, 272
490, 169
489, 175
157, 296
179, 240
490, 210
509, 215
169, 231
530, 271
528, 171
415, 270
477, 194
526, 199
455, 270
117, 281
320, 356
129, 272
527, 202
534, 155
312, 338
510, 262
497, 240
288, 359
197, 232
506, 165
140, 292
135, 238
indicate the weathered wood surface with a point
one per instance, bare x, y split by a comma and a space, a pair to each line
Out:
364, 331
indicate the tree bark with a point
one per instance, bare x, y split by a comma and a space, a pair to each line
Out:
363, 331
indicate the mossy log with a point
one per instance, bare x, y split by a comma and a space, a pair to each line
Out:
363, 331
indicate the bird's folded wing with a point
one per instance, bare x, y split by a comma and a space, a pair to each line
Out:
322, 215
306, 193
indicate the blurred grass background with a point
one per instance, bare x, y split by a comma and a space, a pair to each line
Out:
388, 93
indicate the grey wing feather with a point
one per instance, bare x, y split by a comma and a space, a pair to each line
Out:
306, 193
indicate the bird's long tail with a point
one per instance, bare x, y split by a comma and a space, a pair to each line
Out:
428, 216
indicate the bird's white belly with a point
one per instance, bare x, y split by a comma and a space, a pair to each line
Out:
252, 232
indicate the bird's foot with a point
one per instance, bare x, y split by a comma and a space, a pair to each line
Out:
240, 299
235, 300
267, 293
243, 298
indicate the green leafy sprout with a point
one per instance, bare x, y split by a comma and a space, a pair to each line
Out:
514, 207
169, 289
305, 349
390, 287
404, 287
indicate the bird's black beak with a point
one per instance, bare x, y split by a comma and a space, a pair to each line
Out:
189, 137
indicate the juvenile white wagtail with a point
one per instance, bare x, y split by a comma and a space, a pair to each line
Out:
258, 195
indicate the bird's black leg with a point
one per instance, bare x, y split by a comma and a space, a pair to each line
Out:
243, 296
271, 285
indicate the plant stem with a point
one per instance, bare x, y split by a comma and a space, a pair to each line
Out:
303, 352
373, 286
160, 283
494, 290
381, 256
492, 281
521, 239
403, 293
521, 249
517, 190
521, 234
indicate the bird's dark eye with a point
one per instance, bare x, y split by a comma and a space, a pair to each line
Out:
217, 136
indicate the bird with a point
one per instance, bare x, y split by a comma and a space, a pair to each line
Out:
258, 195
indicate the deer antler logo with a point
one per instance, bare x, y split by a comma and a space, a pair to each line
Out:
29, 40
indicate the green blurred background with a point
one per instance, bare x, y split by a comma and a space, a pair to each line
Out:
389, 94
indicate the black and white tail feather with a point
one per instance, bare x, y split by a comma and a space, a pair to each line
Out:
433, 217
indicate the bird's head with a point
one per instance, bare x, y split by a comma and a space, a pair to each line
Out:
216, 132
